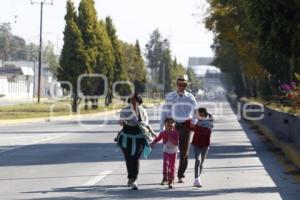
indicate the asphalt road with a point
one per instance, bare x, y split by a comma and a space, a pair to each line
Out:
71, 160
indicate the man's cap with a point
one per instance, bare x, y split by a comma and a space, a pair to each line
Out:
182, 77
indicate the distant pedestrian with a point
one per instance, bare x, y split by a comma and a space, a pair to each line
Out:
131, 139
201, 141
170, 139
181, 106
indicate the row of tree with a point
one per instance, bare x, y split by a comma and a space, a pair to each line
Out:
256, 43
91, 46
164, 68
14, 48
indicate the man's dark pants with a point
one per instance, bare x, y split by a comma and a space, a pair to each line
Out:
184, 143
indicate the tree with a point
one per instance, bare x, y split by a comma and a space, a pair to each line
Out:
237, 45
118, 69
73, 60
165, 76
278, 27
176, 70
194, 81
134, 66
32, 52
106, 60
140, 69
99, 49
257, 41
17, 48
12, 47
154, 51
50, 57
5, 34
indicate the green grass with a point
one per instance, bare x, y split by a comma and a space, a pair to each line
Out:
59, 108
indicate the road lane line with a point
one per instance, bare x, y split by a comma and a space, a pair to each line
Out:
96, 179
48, 138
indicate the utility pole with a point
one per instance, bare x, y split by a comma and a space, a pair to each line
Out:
42, 3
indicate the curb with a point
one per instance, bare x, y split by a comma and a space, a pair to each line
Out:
288, 148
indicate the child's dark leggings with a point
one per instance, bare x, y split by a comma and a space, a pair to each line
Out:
200, 155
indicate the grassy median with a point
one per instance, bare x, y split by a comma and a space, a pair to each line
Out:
55, 108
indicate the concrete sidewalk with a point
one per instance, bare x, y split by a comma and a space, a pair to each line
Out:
240, 165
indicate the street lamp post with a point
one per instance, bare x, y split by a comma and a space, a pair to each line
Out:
42, 3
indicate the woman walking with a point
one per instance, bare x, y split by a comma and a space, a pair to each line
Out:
131, 139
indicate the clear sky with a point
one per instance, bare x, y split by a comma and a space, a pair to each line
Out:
134, 19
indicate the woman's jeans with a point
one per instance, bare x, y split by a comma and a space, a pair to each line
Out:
133, 161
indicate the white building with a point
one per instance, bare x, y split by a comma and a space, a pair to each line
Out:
16, 82
19, 79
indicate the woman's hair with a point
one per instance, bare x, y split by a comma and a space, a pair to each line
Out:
137, 97
203, 110
169, 119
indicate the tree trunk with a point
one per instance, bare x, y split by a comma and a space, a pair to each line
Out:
292, 59
108, 98
254, 87
94, 104
86, 104
247, 87
75, 103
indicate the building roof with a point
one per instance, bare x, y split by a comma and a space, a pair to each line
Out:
16, 71
196, 61
27, 71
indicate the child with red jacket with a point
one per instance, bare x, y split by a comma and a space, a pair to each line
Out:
170, 139
201, 141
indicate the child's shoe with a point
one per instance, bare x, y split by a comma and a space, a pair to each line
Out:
171, 184
197, 183
163, 181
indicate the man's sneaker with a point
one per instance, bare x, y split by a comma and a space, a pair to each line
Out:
197, 183
180, 180
163, 181
134, 186
130, 180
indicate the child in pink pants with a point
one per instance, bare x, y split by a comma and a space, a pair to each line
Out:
170, 139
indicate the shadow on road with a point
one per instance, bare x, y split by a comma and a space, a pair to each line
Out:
63, 153
155, 192
51, 154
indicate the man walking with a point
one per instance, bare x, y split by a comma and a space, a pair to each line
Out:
181, 106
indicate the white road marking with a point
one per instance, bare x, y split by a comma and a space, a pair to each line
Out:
96, 179
33, 143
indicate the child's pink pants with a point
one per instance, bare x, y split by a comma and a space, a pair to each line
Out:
169, 166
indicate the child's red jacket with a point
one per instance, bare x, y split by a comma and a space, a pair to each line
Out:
201, 136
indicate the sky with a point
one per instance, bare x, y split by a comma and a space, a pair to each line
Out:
133, 19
